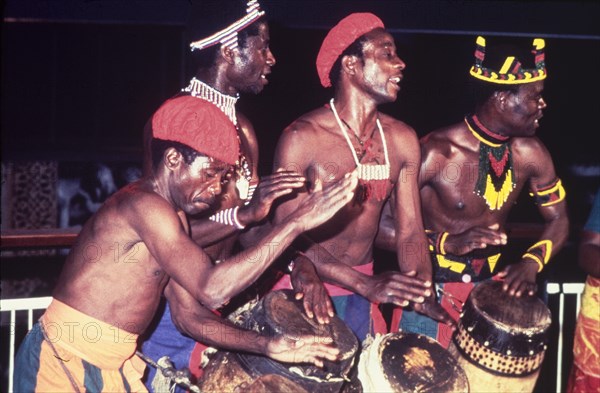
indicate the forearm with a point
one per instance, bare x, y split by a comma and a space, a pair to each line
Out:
222, 224
333, 271
206, 233
551, 241
589, 259
252, 235
589, 253
413, 255
204, 326
231, 276
386, 234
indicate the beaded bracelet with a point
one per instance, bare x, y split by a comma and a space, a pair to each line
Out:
540, 252
227, 217
437, 240
251, 190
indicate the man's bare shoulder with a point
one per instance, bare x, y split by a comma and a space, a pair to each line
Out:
138, 199
527, 143
391, 124
530, 148
245, 125
310, 123
306, 139
445, 141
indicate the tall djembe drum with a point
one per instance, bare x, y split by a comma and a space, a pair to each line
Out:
501, 340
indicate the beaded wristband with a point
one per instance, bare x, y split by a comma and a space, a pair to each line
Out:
540, 252
228, 217
437, 240
251, 190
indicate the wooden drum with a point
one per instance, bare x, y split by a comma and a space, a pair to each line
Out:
409, 362
279, 313
501, 340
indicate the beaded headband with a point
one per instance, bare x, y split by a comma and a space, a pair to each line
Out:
228, 36
511, 72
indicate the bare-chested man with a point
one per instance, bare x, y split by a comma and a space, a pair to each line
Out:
471, 175
358, 57
229, 45
139, 241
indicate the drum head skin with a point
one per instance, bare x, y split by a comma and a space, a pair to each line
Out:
410, 362
526, 315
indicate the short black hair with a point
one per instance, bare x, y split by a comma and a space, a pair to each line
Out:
481, 91
159, 146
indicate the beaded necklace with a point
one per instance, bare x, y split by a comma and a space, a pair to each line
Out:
373, 177
496, 178
226, 103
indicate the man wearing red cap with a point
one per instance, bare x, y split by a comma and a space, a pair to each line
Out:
232, 55
471, 175
138, 241
358, 58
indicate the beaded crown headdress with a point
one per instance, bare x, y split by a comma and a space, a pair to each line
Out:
511, 72
228, 35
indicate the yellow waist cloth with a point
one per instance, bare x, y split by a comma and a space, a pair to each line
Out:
95, 341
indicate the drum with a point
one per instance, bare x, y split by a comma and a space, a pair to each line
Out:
409, 362
225, 373
501, 340
279, 313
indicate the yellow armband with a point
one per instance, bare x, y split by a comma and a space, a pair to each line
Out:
549, 195
540, 252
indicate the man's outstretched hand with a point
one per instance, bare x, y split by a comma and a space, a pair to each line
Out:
434, 310
303, 349
474, 238
308, 286
323, 202
397, 288
269, 188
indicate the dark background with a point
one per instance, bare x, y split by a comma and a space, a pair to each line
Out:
80, 78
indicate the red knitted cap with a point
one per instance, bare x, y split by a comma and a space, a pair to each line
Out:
340, 37
198, 124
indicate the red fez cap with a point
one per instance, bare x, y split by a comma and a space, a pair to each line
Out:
198, 124
340, 37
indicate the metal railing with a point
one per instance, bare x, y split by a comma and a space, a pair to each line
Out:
561, 290
12, 306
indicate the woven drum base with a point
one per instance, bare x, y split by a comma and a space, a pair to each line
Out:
481, 380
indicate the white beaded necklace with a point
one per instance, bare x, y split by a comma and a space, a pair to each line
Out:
224, 102
370, 171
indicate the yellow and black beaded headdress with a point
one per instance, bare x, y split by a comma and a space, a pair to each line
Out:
511, 72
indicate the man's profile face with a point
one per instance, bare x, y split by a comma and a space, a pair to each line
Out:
199, 183
382, 68
524, 109
253, 63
